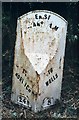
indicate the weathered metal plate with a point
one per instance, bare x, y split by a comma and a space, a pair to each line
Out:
38, 63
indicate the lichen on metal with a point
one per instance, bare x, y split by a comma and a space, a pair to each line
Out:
38, 63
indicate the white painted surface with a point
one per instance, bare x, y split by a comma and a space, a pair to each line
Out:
39, 56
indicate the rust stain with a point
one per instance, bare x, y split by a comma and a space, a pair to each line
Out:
62, 30
17, 66
57, 50
24, 32
33, 41
21, 32
22, 45
28, 78
60, 63
35, 87
34, 37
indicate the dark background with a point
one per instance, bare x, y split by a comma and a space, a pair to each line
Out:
68, 10
11, 11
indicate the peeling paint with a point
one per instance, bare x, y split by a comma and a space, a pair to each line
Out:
38, 62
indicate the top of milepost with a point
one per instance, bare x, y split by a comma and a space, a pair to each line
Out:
45, 11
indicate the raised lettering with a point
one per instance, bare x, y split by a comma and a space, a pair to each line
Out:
36, 16
51, 25
24, 100
56, 75
40, 17
49, 17
47, 83
25, 84
20, 99
51, 79
21, 79
24, 71
50, 70
29, 90
41, 22
38, 24
34, 25
45, 16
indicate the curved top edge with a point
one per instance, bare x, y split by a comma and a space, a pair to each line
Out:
47, 11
